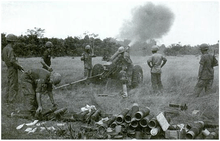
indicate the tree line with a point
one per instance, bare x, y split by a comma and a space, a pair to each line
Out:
33, 45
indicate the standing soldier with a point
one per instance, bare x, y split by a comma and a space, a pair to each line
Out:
154, 62
46, 59
87, 58
128, 63
34, 83
206, 71
12, 64
122, 57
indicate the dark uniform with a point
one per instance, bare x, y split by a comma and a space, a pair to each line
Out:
47, 58
11, 62
32, 82
206, 74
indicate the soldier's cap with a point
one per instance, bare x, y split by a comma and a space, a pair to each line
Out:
155, 48
204, 47
49, 44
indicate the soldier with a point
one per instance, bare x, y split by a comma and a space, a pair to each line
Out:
206, 71
87, 58
154, 62
128, 64
11, 62
34, 83
127, 67
46, 58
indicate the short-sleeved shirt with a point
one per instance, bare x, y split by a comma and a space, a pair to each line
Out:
156, 60
87, 60
40, 79
47, 57
208, 71
8, 56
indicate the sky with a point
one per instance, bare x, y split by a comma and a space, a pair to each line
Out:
194, 23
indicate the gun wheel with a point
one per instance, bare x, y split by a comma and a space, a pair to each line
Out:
97, 69
137, 76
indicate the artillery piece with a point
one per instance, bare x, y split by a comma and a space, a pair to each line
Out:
113, 67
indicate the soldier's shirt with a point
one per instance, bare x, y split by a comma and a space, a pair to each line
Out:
47, 57
156, 60
127, 58
208, 71
8, 55
40, 79
87, 60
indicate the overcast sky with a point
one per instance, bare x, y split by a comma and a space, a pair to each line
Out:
195, 22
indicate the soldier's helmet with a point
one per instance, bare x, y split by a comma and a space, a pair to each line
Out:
55, 78
87, 47
155, 48
11, 38
49, 44
204, 47
121, 49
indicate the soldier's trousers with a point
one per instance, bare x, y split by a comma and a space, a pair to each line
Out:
87, 72
156, 82
28, 90
12, 84
203, 84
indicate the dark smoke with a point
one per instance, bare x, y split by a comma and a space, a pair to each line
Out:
148, 22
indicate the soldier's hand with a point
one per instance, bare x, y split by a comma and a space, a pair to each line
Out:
55, 105
50, 69
39, 110
20, 68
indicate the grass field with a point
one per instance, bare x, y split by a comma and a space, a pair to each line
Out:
179, 77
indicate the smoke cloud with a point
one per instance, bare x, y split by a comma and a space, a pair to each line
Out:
148, 22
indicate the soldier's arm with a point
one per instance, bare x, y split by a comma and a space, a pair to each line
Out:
14, 61
164, 62
83, 57
201, 62
45, 55
38, 97
200, 71
149, 62
45, 65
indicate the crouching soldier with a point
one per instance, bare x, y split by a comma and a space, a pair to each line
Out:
34, 83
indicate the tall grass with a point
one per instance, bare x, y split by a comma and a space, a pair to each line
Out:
179, 77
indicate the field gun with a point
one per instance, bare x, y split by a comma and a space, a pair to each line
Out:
111, 69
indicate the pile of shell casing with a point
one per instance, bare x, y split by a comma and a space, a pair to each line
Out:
134, 123
137, 123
